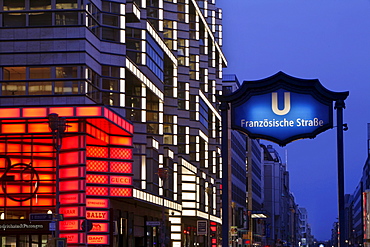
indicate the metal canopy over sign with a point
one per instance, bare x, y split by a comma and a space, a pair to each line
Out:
282, 108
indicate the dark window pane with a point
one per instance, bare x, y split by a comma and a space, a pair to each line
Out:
110, 34
14, 20
110, 84
66, 4
110, 20
66, 72
40, 19
66, 18
14, 5
40, 4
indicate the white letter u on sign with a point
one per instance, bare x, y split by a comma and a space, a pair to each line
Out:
275, 107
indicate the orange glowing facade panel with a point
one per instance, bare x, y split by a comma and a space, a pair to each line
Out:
73, 127
43, 201
88, 111
34, 112
98, 239
71, 158
97, 203
62, 111
72, 142
10, 112
38, 128
121, 140
97, 215
71, 172
71, 185
46, 164
13, 128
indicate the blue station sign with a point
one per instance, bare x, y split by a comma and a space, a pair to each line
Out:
282, 108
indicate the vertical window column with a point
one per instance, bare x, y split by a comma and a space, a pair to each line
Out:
213, 21
143, 103
214, 162
175, 82
122, 23
160, 116
143, 47
160, 15
175, 130
122, 87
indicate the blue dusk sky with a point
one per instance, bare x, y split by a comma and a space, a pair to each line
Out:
327, 40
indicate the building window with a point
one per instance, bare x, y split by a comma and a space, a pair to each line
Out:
14, 5
155, 57
66, 4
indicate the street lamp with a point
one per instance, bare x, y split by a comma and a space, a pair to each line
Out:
58, 127
163, 175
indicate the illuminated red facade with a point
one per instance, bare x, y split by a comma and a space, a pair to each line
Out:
95, 164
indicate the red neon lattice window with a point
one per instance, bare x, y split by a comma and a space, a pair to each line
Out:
97, 166
97, 179
121, 167
124, 192
99, 152
96, 191
121, 153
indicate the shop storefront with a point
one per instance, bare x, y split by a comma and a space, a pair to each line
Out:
93, 159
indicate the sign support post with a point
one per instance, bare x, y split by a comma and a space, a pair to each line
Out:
339, 105
282, 109
225, 173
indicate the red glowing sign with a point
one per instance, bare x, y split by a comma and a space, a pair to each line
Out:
97, 203
72, 238
97, 239
100, 227
69, 225
70, 211
121, 180
97, 215
71, 198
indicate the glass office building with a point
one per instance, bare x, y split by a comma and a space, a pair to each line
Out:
136, 81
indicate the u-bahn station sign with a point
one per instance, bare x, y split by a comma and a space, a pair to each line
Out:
282, 108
